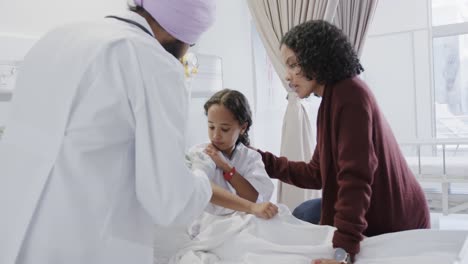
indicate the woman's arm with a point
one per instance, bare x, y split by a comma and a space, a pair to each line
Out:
357, 164
298, 173
229, 200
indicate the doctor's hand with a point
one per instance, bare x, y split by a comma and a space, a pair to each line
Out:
264, 210
217, 157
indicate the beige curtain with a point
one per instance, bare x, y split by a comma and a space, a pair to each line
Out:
273, 18
354, 18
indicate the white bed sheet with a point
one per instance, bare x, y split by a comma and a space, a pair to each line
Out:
246, 239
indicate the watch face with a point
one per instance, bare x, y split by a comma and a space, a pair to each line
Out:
340, 255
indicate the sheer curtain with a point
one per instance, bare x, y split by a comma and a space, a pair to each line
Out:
354, 18
273, 18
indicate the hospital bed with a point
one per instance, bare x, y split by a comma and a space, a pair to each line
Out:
441, 166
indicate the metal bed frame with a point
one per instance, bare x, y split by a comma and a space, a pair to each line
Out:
445, 199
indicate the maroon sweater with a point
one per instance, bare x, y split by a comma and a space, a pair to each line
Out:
367, 187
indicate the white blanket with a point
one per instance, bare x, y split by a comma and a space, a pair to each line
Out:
242, 238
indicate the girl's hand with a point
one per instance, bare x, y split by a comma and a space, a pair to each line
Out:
218, 157
264, 210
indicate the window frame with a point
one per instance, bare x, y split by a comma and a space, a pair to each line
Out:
435, 32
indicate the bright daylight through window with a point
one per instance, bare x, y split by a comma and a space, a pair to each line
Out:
450, 60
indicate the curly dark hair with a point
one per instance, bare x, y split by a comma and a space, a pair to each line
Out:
323, 52
238, 105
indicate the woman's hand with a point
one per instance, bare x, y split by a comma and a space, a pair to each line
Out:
264, 210
218, 157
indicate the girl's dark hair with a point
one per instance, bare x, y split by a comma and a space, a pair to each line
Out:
238, 105
323, 52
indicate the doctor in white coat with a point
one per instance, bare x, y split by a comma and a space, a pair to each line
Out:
93, 154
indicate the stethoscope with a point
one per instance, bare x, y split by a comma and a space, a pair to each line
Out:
144, 29
133, 23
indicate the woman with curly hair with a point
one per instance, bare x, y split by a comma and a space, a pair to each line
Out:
367, 186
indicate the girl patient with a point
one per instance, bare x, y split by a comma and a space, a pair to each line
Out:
233, 166
238, 169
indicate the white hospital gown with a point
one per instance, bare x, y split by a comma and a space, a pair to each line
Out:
248, 164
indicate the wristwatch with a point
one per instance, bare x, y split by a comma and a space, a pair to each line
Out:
342, 256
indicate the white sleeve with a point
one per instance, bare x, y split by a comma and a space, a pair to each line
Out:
165, 187
258, 177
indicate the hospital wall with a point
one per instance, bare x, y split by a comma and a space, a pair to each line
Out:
22, 22
230, 38
33, 18
396, 59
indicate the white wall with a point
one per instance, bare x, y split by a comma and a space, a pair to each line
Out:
32, 17
399, 15
230, 38
396, 59
29, 19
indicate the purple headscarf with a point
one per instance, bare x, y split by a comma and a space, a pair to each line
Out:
185, 20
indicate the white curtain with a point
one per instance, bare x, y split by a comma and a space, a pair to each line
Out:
273, 18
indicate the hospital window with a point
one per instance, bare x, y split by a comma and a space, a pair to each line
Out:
450, 67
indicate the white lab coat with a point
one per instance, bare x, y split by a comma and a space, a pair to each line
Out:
93, 154
249, 164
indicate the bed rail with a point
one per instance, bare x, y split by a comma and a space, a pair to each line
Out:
448, 202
